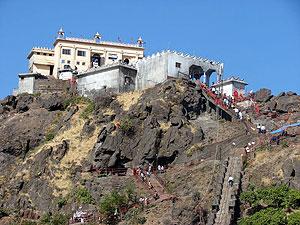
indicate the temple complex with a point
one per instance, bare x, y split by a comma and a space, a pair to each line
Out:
94, 65
81, 54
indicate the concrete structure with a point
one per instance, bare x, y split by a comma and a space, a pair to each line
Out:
41, 60
158, 67
150, 71
81, 54
32, 83
26, 83
230, 85
118, 77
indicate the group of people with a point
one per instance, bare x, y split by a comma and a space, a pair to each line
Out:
238, 114
261, 129
276, 139
249, 147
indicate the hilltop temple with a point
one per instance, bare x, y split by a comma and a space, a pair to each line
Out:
95, 64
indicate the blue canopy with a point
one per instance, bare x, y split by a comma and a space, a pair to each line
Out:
284, 127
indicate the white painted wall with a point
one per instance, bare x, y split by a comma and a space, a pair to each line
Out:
26, 85
97, 81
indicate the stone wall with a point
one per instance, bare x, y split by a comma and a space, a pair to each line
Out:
158, 67
51, 85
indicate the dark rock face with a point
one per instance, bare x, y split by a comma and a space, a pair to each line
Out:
24, 131
291, 172
25, 121
23, 102
51, 102
288, 103
88, 129
103, 100
149, 138
61, 150
263, 95
290, 93
9, 101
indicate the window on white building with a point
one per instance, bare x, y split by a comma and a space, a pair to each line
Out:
113, 56
66, 51
81, 53
177, 65
83, 63
78, 63
68, 61
62, 61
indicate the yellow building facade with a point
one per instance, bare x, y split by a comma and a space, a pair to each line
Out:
81, 55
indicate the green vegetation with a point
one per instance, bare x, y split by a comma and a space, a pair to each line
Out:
61, 202
75, 100
49, 136
126, 126
270, 205
88, 111
82, 195
269, 216
294, 218
56, 219
115, 202
265, 147
284, 144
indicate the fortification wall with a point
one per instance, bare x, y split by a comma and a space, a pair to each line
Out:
151, 71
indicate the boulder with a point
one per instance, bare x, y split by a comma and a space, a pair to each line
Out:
88, 129
290, 93
288, 103
263, 95
23, 102
176, 122
10, 100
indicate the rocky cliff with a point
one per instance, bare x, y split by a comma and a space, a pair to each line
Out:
54, 145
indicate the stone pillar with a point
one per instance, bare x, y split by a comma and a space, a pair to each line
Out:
207, 77
73, 64
217, 112
219, 78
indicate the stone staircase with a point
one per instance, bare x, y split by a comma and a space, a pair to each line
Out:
224, 204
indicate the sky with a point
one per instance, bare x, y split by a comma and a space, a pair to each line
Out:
258, 40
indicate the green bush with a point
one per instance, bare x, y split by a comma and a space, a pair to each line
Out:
294, 218
61, 202
126, 126
49, 136
112, 202
269, 216
278, 197
82, 195
56, 219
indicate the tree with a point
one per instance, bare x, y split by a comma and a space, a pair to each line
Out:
294, 218
269, 216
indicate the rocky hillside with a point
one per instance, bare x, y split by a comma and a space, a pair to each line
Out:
53, 148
